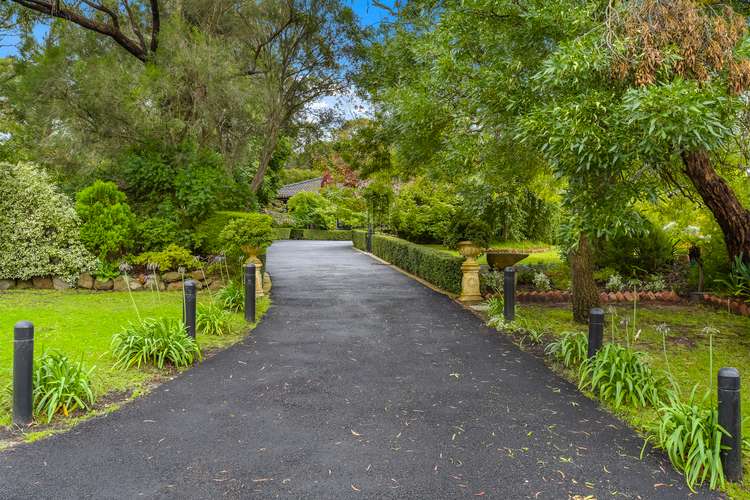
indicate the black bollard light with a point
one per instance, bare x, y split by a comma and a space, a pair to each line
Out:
730, 418
250, 293
191, 297
596, 330
509, 294
369, 238
23, 365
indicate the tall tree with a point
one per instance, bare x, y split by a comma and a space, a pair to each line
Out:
132, 24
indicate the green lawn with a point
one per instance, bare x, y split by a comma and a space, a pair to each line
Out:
687, 348
81, 324
550, 256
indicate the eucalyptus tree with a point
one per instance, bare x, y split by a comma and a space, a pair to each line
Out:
232, 76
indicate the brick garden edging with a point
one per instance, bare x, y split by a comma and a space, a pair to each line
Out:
555, 296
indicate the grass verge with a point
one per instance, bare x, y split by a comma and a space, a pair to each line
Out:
81, 324
691, 330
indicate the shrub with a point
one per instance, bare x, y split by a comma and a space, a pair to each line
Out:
422, 212
570, 349
738, 280
61, 386
154, 233
542, 282
646, 252
619, 375
359, 239
39, 227
439, 268
211, 319
254, 231
154, 341
311, 210
615, 283
170, 259
690, 434
464, 227
232, 296
107, 221
206, 235
491, 281
378, 197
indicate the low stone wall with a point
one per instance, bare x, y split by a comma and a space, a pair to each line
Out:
171, 281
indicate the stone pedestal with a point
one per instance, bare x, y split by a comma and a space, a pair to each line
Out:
258, 276
470, 282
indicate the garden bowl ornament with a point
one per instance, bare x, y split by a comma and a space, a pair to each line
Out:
470, 268
500, 259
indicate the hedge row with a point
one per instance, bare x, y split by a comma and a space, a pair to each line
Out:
312, 234
439, 268
282, 233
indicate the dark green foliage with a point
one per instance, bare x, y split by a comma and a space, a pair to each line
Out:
359, 239
154, 341
61, 386
170, 259
465, 226
422, 212
206, 235
439, 268
254, 231
646, 252
155, 233
212, 319
107, 221
232, 296
186, 184
570, 349
619, 375
690, 434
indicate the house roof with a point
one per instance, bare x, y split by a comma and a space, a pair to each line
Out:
312, 185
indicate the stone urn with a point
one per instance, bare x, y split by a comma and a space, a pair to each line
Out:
469, 250
470, 269
252, 253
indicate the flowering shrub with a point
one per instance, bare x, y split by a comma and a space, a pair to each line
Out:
169, 259
39, 227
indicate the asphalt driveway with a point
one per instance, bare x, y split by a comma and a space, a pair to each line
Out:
359, 383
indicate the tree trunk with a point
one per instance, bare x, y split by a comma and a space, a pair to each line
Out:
732, 217
266, 153
585, 293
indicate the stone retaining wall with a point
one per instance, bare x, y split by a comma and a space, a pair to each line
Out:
166, 281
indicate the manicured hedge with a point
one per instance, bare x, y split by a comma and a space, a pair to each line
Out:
282, 233
439, 268
320, 234
359, 238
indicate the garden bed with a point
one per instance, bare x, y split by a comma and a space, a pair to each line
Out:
81, 324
